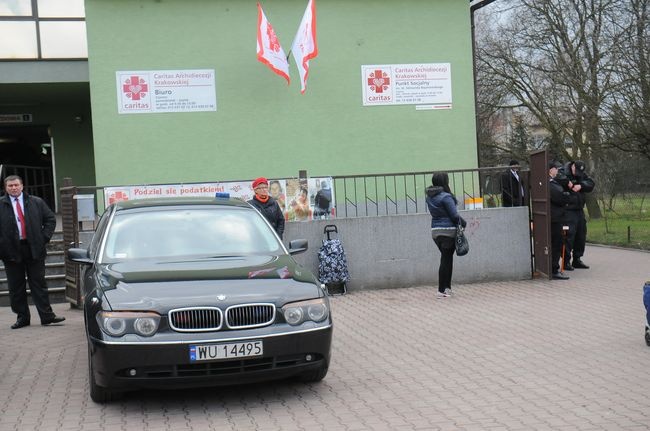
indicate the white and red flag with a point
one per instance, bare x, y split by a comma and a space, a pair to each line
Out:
304, 46
269, 50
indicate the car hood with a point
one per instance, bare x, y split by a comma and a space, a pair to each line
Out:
224, 281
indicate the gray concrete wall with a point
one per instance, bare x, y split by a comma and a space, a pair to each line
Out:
397, 251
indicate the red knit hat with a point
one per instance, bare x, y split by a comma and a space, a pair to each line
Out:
260, 180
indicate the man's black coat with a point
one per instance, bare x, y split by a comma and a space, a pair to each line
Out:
40, 223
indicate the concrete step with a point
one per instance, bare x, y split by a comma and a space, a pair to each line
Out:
51, 269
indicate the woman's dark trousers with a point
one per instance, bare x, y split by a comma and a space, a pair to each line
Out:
447, 247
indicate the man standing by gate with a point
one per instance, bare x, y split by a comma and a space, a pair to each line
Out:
560, 200
579, 185
512, 189
26, 225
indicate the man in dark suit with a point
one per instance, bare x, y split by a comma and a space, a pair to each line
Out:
26, 226
512, 189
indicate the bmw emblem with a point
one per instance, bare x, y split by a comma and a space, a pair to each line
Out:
221, 297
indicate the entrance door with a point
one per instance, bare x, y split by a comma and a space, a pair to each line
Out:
541, 210
27, 151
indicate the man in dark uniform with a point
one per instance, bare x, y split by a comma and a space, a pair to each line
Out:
579, 184
26, 226
560, 200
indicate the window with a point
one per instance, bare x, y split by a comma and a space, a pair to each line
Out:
18, 39
179, 233
42, 29
63, 39
61, 9
15, 7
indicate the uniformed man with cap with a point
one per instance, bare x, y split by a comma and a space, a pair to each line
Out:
579, 184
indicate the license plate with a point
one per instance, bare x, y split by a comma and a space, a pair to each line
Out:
212, 352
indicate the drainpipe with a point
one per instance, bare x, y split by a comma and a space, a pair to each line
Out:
473, 8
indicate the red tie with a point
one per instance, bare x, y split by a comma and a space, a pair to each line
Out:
21, 217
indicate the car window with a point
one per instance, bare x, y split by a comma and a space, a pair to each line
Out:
169, 232
101, 226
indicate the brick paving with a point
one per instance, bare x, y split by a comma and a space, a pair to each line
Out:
525, 355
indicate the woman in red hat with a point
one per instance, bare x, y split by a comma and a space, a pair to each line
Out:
266, 205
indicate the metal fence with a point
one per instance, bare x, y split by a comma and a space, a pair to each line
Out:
622, 195
405, 193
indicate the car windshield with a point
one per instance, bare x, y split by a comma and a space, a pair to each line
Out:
198, 231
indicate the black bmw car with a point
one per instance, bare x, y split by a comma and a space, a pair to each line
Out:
197, 292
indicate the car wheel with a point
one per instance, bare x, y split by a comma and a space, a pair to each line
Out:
314, 375
98, 394
647, 336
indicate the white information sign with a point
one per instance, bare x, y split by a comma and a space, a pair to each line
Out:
407, 84
241, 190
155, 91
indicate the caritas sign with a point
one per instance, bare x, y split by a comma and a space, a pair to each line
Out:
156, 91
407, 84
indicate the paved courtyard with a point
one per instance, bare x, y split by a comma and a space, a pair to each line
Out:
526, 355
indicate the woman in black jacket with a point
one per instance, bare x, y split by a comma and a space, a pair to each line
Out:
444, 219
266, 205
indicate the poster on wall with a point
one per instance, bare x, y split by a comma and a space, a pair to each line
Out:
309, 199
242, 190
300, 200
425, 84
159, 91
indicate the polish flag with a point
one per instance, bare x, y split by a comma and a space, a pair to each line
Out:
304, 46
269, 50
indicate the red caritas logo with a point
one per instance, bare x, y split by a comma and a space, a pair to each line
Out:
378, 81
135, 88
117, 197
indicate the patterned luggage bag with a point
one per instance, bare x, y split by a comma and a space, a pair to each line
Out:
332, 263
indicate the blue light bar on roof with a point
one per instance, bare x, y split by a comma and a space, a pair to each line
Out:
222, 195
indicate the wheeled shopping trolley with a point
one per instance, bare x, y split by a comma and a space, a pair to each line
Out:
332, 263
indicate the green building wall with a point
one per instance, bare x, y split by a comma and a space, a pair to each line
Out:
262, 126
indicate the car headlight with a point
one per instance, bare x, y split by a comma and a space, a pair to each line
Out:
146, 326
293, 315
118, 323
115, 326
315, 310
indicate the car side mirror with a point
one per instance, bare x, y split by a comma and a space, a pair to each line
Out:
298, 246
80, 255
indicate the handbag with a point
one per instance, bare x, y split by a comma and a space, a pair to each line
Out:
462, 245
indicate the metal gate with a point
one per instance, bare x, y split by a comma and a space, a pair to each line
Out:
541, 213
74, 235
70, 226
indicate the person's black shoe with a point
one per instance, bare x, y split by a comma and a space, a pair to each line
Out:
20, 324
568, 267
55, 319
560, 276
577, 263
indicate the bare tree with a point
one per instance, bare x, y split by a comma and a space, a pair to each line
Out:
555, 59
627, 121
